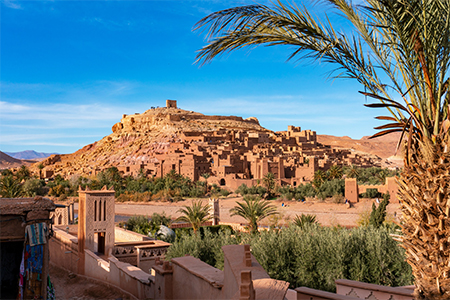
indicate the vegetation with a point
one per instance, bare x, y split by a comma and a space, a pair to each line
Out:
253, 209
304, 220
10, 187
270, 184
196, 214
395, 50
145, 225
311, 256
378, 214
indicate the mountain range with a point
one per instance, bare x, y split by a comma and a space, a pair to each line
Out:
29, 154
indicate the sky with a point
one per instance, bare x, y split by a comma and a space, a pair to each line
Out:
70, 69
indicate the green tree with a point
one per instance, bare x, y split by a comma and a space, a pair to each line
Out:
196, 214
23, 173
303, 219
10, 187
353, 172
32, 187
378, 214
206, 176
253, 209
319, 178
399, 51
335, 172
40, 166
269, 183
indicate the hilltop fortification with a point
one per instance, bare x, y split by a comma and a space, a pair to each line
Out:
232, 150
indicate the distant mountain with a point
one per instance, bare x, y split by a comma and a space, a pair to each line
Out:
29, 154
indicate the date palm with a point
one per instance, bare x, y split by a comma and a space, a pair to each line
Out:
335, 172
10, 187
302, 220
196, 214
253, 209
269, 183
398, 50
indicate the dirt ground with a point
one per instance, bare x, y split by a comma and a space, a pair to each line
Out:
327, 213
71, 286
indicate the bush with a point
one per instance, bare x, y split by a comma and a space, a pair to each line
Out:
311, 256
33, 187
139, 224
206, 247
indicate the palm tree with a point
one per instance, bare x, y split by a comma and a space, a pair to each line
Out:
335, 172
197, 214
269, 183
206, 176
10, 187
253, 209
353, 172
23, 173
303, 219
40, 167
400, 53
319, 178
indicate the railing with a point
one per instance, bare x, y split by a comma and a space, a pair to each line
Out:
135, 253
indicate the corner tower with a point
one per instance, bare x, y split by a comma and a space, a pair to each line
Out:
96, 212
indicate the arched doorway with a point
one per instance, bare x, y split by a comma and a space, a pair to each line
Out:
222, 182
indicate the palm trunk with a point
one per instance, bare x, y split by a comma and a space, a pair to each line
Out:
424, 192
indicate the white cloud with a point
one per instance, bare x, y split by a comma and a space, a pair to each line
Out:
12, 4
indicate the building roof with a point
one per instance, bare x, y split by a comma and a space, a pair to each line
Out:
20, 206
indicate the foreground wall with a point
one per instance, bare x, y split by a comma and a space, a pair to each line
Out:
63, 253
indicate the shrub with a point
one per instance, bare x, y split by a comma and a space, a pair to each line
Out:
378, 214
139, 224
311, 256
32, 187
207, 247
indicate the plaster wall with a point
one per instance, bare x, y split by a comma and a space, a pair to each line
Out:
364, 290
63, 249
128, 235
193, 283
131, 279
95, 266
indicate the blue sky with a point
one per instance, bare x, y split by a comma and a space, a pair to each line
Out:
70, 69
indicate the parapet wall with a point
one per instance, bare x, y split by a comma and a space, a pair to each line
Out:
130, 236
64, 253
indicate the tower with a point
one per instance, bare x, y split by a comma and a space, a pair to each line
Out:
214, 210
96, 212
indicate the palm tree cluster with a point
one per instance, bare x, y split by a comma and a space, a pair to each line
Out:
398, 50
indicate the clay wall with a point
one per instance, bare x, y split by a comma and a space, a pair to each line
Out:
127, 235
362, 290
63, 253
63, 248
196, 280
352, 189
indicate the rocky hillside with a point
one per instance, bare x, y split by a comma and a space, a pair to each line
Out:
138, 137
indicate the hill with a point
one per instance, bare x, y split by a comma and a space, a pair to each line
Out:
384, 146
229, 148
8, 162
29, 154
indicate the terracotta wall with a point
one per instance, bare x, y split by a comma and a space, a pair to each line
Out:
128, 235
63, 253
